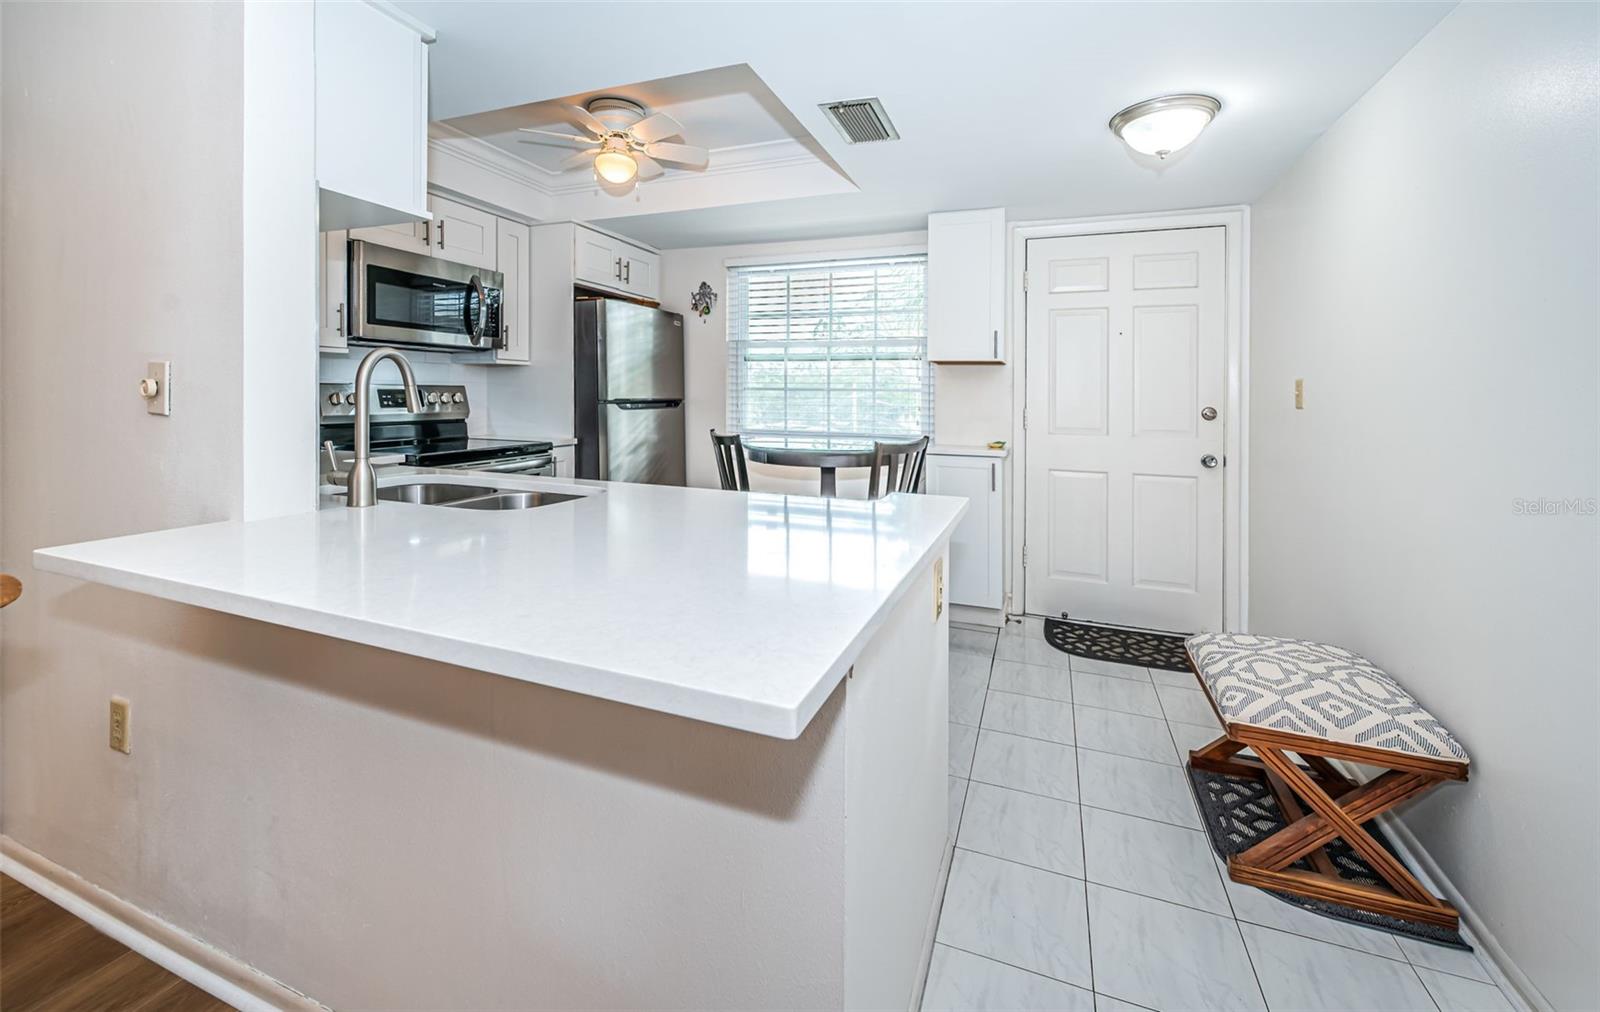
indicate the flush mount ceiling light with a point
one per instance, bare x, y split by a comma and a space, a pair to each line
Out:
615, 164
1163, 125
623, 141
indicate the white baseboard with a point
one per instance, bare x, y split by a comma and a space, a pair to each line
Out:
987, 618
932, 931
1507, 975
209, 969
1499, 963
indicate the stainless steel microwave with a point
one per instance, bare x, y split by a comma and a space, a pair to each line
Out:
413, 301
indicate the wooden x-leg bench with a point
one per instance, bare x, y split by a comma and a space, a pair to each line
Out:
1284, 699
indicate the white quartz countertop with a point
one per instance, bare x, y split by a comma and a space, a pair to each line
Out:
741, 609
958, 450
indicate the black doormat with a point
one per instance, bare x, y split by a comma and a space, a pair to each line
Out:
1240, 812
1121, 646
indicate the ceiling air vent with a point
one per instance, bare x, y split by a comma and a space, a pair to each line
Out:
861, 120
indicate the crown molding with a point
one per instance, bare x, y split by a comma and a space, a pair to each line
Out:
734, 159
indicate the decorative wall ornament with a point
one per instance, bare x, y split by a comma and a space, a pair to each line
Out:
702, 300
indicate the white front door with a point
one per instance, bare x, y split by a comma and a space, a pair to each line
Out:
1126, 373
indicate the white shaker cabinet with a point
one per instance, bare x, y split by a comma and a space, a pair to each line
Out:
411, 236
967, 286
372, 115
512, 263
608, 263
332, 283
463, 234
977, 545
641, 273
566, 461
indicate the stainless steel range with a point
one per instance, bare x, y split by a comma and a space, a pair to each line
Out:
436, 436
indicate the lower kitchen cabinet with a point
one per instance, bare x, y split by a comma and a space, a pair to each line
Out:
566, 461
977, 546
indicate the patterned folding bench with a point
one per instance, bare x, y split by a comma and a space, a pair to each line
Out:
1318, 702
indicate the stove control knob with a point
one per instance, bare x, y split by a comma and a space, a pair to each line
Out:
349, 398
458, 397
334, 399
433, 397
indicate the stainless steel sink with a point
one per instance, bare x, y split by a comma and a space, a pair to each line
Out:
513, 501
433, 493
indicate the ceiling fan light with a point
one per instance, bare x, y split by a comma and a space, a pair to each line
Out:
1161, 126
615, 166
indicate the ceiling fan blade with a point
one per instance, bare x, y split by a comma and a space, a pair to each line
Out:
578, 160
655, 127
684, 155
649, 168
583, 119
568, 138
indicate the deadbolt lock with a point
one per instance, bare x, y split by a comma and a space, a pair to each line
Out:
1209, 413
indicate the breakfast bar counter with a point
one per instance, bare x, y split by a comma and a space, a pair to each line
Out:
656, 596
646, 747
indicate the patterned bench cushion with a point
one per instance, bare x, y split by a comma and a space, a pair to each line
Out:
1317, 690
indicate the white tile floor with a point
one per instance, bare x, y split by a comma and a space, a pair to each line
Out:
1082, 880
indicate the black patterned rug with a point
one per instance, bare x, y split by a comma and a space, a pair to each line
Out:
1122, 646
1240, 812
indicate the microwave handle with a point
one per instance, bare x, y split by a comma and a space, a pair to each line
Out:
475, 330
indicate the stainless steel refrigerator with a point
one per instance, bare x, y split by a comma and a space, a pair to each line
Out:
628, 381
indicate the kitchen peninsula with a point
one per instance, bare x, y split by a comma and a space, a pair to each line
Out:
706, 766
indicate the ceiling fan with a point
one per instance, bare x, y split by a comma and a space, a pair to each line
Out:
623, 141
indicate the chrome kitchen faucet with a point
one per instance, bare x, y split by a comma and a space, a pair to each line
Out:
361, 482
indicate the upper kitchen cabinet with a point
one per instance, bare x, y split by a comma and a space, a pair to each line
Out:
967, 286
333, 264
457, 232
513, 263
611, 264
372, 115
464, 235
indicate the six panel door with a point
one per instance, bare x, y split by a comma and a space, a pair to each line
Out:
1126, 354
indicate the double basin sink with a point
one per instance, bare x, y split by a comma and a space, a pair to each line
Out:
471, 497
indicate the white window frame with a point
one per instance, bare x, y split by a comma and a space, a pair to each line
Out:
801, 261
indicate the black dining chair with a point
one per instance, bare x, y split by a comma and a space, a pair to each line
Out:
902, 462
730, 462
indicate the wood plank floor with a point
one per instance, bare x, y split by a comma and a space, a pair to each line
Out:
51, 960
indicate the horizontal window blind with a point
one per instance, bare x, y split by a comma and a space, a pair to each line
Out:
834, 351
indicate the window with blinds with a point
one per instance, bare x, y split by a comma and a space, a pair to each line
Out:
830, 351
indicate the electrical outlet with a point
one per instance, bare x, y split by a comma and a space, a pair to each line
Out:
1299, 395
121, 733
938, 588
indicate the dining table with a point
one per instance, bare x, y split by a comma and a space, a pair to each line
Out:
826, 455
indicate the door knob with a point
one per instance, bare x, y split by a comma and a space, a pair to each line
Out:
1209, 413
1208, 461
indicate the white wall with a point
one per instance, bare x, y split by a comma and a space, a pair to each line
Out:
1429, 268
279, 238
705, 355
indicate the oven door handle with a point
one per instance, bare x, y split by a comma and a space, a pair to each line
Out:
475, 330
511, 466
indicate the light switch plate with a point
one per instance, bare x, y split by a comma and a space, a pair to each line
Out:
161, 403
120, 731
